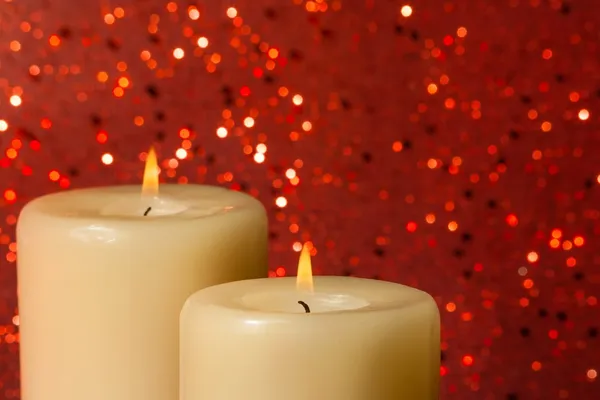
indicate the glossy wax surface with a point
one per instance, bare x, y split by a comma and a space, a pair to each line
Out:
364, 339
101, 285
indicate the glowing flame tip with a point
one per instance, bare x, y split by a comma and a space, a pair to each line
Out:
151, 171
304, 279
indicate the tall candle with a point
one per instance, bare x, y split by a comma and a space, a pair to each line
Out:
102, 276
273, 339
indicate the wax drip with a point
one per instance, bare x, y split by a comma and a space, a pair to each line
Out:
306, 307
147, 211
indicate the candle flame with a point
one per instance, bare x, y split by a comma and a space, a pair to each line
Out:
304, 279
150, 182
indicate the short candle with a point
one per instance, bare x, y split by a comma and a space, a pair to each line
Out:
102, 276
273, 339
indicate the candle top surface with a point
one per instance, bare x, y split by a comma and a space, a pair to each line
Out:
332, 295
174, 202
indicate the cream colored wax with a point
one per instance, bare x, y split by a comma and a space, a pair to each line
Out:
363, 339
101, 285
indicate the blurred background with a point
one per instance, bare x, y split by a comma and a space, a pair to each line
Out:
450, 145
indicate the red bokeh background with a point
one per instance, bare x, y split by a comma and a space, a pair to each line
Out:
449, 145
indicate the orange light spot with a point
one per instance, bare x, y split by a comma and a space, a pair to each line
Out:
532, 256
172, 6
297, 99
173, 163
261, 148
202, 42
452, 226
571, 262
107, 158
123, 82
290, 173
118, 91
406, 11
178, 53
528, 283
193, 13
536, 365
222, 132
306, 126
10, 195
283, 91
584, 114
181, 153
54, 40
231, 12
532, 114
556, 233
15, 45
138, 121
119, 12
461, 32
54, 175
184, 133
579, 241
311, 6
397, 146
451, 307
281, 202
432, 88
546, 126
467, 360
259, 158
248, 122
109, 19
15, 100
34, 70
102, 76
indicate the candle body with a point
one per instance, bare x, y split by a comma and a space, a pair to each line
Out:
100, 294
363, 339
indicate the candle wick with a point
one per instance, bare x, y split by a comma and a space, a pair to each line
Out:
147, 211
306, 307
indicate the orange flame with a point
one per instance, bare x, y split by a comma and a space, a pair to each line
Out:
150, 182
304, 279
